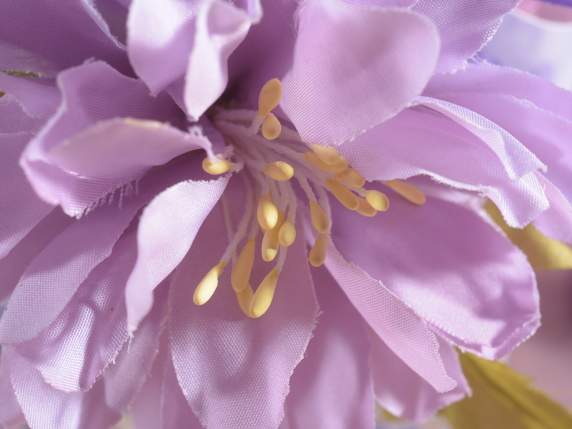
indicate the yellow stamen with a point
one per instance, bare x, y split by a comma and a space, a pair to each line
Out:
220, 166
365, 208
320, 220
287, 234
377, 200
346, 197
312, 159
408, 191
266, 213
269, 247
279, 170
271, 127
264, 295
317, 255
242, 269
244, 298
269, 96
329, 155
207, 286
351, 178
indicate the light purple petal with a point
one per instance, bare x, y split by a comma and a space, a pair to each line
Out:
424, 142
20, 209
409, 337
456, 271
465, 26
55, 275
13, 119
403, 393
219, 28
159, 40
72, 353
91, 93
55, 409
13, 265
556, 222
167, 229
10, 413
235, 371
40, 36
39, 98
333, 95
332, 385
160, 403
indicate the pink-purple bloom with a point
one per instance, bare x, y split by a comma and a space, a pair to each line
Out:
110, 221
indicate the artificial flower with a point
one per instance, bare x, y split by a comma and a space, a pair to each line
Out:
258, 240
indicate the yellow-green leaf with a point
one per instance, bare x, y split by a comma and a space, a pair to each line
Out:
502, 398
543, 253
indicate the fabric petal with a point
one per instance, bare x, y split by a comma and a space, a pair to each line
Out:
455, 156
397, 325
334, 95
15, 263
13, 118
160, 403
331, 387
219, 28
72, 353
10, 412
403, 393
57, 409
450, 266
42, 294
235, 371
38, 97
167, 229
20, 209
95, 92
55, 36
465, 26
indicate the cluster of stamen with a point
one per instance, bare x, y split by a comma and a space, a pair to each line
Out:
272, 159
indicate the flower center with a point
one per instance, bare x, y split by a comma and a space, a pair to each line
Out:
272, 160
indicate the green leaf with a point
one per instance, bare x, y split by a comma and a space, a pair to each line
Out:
502, 398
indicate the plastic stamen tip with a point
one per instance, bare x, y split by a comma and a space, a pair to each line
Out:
244, 298
320, 220
351, 178
264, 295
267, 213
346, 197
287, 234
271, 127
269, 97
280, 171
218, 167
329, 155
207, 286
378, 200
408, 191
365, 208
242, 270
318, 252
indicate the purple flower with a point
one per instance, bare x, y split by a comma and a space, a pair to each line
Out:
102, 310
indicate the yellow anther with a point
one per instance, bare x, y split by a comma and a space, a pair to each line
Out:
346, 197
269, 96
269, 247
271, 127
264, 295
244, 298
408, 191
220, 166
287, 234
279, 170
312, 159
351, 178
329, 155
317, 255
320, 220
378, 200
242, 269
365, 208
266, 213
207, 286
